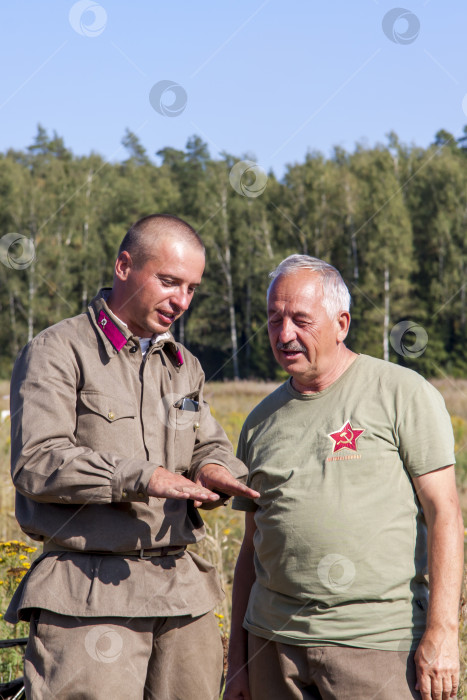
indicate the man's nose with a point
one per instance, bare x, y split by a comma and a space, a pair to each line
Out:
287, 331
182, 298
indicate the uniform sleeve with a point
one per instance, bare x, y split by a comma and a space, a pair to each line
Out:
212, 444
240, 503
46, 463
425, 436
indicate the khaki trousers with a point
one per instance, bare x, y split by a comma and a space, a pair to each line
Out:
171, 658
286, 672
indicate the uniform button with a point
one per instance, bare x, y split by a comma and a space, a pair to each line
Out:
124, 493
111, 415
134, 348
195, 426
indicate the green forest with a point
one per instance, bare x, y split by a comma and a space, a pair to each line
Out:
392, 218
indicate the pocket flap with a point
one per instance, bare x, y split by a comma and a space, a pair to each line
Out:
109, 407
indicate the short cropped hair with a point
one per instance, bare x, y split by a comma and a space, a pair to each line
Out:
141, 239
336, 296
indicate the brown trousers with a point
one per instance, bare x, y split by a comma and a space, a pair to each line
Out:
171, 658
286, 672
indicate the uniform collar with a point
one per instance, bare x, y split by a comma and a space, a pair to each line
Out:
170, 347
115, 334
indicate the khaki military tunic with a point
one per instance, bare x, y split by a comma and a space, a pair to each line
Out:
91, 420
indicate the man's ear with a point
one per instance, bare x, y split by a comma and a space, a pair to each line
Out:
343, 322
123, 265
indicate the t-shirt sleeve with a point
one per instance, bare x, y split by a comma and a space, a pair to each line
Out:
240, 503
426, 440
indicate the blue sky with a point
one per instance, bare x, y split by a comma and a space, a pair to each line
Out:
264, 78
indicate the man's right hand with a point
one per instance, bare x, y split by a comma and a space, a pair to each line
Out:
237, 685
165, 484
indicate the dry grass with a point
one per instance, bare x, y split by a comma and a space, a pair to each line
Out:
231, 402
454, 392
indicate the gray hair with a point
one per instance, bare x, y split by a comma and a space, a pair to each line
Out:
336, 296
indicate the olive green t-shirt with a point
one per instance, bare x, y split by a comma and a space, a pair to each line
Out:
340, 546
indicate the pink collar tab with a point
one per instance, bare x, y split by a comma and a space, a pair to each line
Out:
111, 331
179, 357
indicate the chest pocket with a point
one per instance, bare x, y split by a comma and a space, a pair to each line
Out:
187, 422
106, 423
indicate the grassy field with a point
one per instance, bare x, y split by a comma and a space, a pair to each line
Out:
230, 402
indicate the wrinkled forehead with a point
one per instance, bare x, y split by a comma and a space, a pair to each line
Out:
296, 291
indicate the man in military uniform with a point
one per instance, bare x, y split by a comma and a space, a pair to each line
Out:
113, 450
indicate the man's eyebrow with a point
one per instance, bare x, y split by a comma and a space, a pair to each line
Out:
295, 314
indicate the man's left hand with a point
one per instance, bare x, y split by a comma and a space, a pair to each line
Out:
437, 662
217, 478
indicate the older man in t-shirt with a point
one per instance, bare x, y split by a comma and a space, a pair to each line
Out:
353, 458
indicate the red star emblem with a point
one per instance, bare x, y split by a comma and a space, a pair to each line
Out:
346, 437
